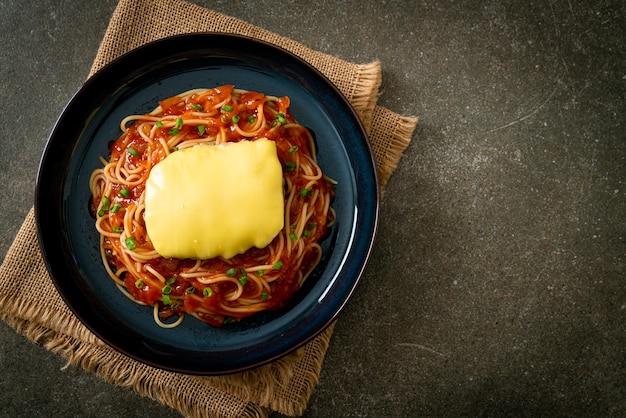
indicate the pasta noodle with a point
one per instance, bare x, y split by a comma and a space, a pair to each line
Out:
217, 290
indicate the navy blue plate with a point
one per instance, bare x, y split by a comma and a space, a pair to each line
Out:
135, 83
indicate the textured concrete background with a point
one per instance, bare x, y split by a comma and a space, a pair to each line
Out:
497, 283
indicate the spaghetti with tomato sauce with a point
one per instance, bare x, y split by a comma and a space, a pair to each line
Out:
217, 290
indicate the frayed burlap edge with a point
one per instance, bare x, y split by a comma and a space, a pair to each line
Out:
192, 399
390, 138
292, 380
25, 258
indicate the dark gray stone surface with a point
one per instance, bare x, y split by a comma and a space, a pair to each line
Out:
497, 282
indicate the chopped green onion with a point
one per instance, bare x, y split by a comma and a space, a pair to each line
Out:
139, 284
201, 129
281, 118
130, 243
173, 131
290, 166
231, 272
100, 213
305, 192
251, 119
228, 319
293, 236
179, 123
118, 229
207, 292
159, 124
105, 203
224, 118
260, 273
166, 299
235, 118
227, 108
133, 152
196, 106
190, 290
170, 281
311, 226
125, 192
116, 207
166, 290
264, 296
243, 276
293, 149
306, 233
277, 265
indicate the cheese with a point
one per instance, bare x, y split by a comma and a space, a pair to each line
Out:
215, 200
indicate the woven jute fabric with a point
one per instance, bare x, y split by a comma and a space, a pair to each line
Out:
284, 385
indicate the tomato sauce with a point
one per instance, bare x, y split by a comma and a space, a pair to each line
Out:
184, 294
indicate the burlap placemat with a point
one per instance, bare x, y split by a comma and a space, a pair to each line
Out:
285, 385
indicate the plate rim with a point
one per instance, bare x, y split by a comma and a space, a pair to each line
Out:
111, 67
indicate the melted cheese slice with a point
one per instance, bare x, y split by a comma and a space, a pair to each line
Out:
215, 200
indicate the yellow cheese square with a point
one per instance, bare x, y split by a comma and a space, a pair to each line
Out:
215, 200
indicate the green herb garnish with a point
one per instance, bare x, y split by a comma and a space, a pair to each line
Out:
116, 207
130, 243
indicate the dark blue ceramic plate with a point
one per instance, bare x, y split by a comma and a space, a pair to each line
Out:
133, 84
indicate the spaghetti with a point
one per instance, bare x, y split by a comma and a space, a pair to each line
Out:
217, 290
